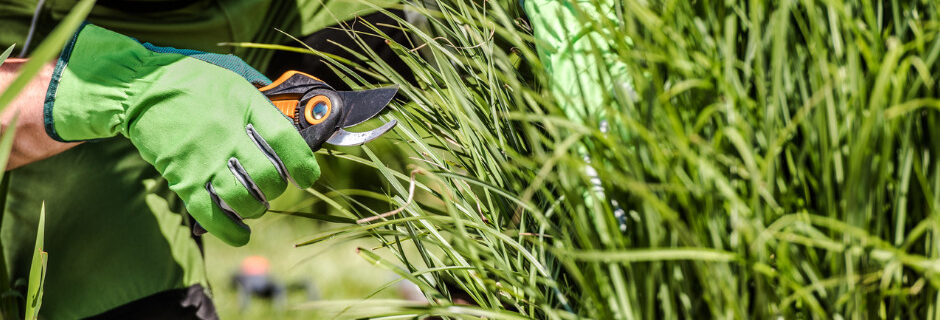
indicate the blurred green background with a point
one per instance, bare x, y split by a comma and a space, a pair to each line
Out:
334, 274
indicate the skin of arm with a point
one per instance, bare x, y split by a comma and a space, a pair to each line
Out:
30, 143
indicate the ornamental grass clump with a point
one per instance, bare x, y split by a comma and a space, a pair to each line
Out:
745, 159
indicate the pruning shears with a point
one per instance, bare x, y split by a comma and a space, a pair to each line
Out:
321, 113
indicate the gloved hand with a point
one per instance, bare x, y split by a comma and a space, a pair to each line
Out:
197, 117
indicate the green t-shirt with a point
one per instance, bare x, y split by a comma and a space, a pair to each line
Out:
114, 231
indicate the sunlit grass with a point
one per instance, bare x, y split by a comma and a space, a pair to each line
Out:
775, 160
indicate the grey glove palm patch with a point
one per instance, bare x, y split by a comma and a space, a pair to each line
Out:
269, 153
226, 209
242, 176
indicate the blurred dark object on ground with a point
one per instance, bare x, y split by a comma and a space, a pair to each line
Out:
254, 280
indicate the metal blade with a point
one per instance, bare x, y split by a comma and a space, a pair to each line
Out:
346, 138
365, 104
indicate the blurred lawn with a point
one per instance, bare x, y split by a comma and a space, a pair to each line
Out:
334, 268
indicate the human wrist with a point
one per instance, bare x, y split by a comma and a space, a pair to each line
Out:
32, 95
9, 70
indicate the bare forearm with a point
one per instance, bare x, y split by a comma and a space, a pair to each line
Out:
31, 143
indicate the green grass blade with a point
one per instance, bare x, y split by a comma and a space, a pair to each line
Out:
6, 54
37, 271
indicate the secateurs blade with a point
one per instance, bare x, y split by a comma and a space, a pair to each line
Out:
320, 113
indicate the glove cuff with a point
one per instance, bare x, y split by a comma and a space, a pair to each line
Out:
48, 123
94, 79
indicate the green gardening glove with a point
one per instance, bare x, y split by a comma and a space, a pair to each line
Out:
197, 117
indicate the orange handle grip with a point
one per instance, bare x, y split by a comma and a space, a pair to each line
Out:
286, 100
